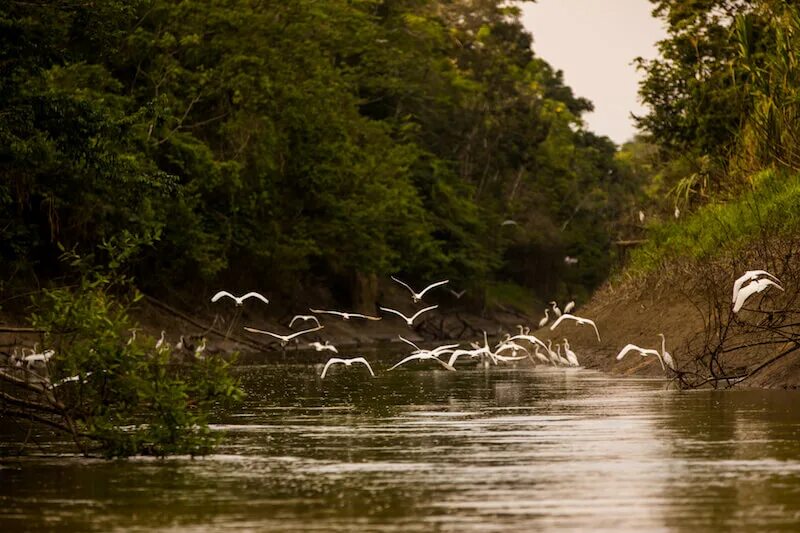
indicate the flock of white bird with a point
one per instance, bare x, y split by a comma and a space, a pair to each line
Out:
510, 348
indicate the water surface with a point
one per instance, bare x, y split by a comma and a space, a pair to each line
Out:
517, 449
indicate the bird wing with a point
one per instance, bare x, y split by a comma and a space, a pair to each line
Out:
330, 362
628, 348
330, 347
359, 315
446, 365
293, 335
254, 295
737, 285
409, 343
390, 310
422, 311
406, 360
324, 312
558, 321
296, 317
587, 321
365, 362
262, 332
751, 289
403, 284
220, 294
431, 286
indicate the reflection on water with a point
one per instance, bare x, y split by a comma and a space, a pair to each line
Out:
434, 450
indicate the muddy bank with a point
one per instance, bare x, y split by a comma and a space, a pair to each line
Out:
691, 307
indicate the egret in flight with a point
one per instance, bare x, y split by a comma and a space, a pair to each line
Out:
417, 296
346, 362
579, 320
318, 346
752, 288
458, 294
409, 320
424, 356
304, 318
345, 316
284, 339
664, 357
238, 299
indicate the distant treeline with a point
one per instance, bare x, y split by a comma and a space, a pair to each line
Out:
277, 144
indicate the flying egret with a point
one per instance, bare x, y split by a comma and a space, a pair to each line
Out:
417, 296
423, 356
526, 337
304, 318
458, 353
556, 310
409, 320
642, 351
458, 294
346, 362
751, 289
543, 322
579, 320
318, 346
284, 339
239, 299
750, 275
570, 306
571, 357
509, 222
345, 316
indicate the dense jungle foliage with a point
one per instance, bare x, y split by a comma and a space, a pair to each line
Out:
279, 144
724, 104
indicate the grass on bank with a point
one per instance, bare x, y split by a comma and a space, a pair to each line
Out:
770, 208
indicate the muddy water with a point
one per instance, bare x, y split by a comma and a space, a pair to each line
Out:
440, 451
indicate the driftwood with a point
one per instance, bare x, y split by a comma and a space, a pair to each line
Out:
10, 329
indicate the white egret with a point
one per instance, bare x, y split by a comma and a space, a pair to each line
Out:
345, 316
201, 348
409, 320
40, 357
556, 310
571, 357
239, 299
642, 351
346, 362
417, 296
162, 343
751, 289
539, 355
750, 275
570, 306
552, 354
318, 346
458, 353
284, 339
423, 356
641, 216
304, 318
530, 338
543, 322
668, 360
579, 320
677, 212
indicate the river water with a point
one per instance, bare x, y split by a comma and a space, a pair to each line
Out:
476, 450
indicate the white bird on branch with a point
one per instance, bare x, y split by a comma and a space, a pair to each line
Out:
417, 296
284, 339
38, 357
318, 346
239, 299
346, 362
752, 288
304, 318
579, 320
345, 316
409, 320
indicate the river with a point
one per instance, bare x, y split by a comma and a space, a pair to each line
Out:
430, 450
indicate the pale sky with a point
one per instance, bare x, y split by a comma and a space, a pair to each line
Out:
594, 42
